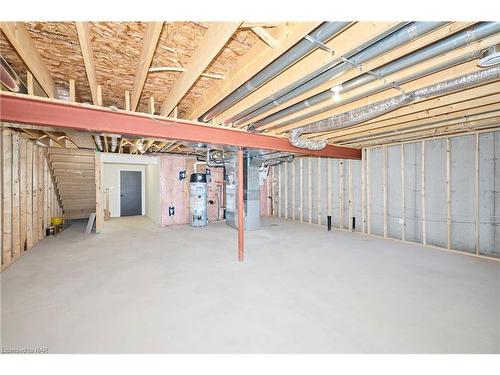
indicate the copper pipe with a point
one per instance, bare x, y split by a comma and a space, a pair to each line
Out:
241, 222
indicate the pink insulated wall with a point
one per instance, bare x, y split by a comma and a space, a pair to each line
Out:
175, 192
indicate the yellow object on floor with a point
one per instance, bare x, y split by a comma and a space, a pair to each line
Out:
56, 220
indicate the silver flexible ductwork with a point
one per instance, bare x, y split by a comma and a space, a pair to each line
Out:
374, 110
457, 40
321, 34
342, 101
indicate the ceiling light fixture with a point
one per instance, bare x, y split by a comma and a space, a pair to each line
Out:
490, 57
336, 92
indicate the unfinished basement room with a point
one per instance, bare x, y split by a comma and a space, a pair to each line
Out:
250, 187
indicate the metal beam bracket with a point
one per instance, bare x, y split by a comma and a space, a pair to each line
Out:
320, 44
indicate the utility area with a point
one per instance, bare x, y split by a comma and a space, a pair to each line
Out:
250, 187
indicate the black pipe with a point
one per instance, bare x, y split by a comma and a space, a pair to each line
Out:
329, 222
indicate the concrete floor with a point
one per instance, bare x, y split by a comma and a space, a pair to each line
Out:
137, 288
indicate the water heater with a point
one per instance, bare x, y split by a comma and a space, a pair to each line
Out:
198, 199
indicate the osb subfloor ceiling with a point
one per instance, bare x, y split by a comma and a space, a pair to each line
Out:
116, 49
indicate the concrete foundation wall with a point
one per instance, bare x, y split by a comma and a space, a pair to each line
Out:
405, 193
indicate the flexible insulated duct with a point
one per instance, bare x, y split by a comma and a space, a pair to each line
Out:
321, 34
455, 41
342, 101
371, 111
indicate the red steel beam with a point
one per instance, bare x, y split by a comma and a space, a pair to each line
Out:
241, 219
27, 109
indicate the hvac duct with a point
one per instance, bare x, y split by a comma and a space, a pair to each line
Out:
342, 101
251, 192
321, 34
338, 66
446, 45
371, 111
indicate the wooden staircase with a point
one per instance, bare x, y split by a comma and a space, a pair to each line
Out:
74, 172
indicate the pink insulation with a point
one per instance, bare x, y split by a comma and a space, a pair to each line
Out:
175, 192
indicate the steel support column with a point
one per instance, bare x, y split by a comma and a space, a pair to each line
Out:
241, 219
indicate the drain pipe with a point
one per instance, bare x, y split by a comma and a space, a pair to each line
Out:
458, 40
371, 111
376, 48
311, 42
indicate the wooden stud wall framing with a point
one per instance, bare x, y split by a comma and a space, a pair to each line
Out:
28, 198
366, 166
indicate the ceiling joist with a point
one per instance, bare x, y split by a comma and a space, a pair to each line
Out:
22, 42
150, 40
83, 30
255, 60
214, 39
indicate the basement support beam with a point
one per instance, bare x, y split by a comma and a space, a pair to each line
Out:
476, 200
368, 208
241, 221
329, 187
422, 176
351, 228
301, 190
280, 181
286, 189
214, 39
363, 191
24, 109
293, 189
341, 194
448, 193
403, 200
318, 196
384, 183
309, 189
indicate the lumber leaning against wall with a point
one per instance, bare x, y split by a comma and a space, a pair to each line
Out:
29, 198
451, 200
